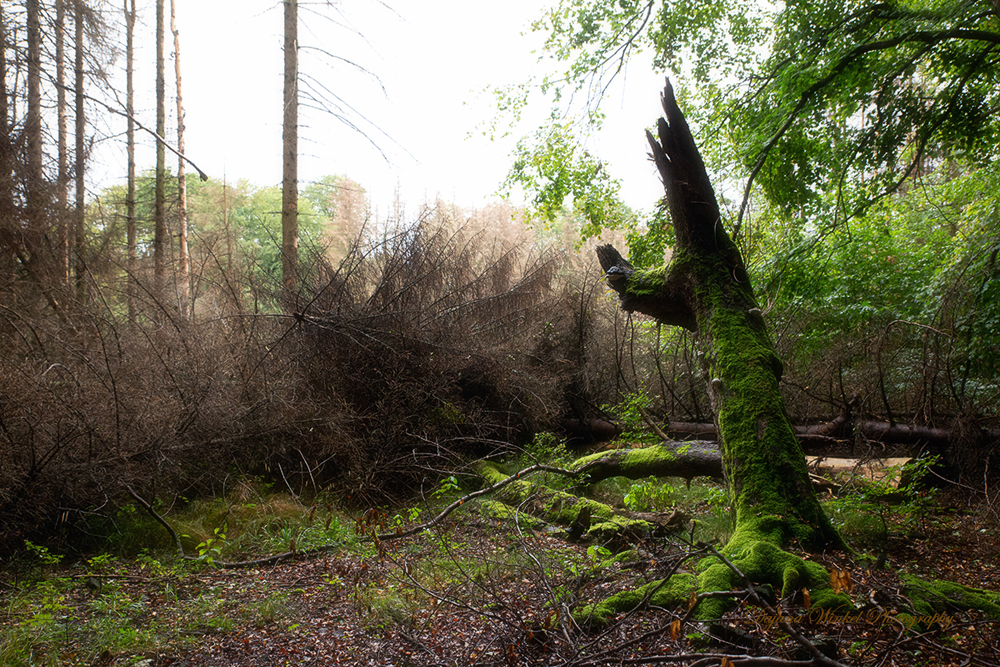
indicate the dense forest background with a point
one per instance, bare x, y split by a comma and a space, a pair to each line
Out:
150, 343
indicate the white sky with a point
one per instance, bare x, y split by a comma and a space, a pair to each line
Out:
434, 59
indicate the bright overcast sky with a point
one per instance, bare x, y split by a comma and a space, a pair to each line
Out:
433, 58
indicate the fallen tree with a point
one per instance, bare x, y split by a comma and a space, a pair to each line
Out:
843, 429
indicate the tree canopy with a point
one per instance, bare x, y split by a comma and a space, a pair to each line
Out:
825, 106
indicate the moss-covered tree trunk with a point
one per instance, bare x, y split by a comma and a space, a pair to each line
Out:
705, 289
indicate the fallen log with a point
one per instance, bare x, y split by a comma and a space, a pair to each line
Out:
584, 518
674, 459
840, 429
700, 458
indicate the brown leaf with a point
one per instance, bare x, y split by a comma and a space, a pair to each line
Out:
693, 600
675, 629
845, 581
840, 580
806, 600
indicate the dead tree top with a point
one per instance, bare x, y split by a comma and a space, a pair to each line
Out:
694, 210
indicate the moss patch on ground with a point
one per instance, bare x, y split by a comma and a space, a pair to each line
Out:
933, 600
670, 593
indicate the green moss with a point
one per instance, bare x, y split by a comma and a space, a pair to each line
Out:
637, 463
647, 282
673, 593
563, 508
762, 457
933, 600
498, 510
753, 550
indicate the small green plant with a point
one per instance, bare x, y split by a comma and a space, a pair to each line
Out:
207, 613
150, 564
596, 552
211, 548
101, 563
409, 515
921, 499
270, 609
43, 554
448, 486
51, 604
547, 448
648, 495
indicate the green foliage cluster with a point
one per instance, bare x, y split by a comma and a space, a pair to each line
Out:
549, 448
829, 103
628, 412
649, 495
860, 138
557, 172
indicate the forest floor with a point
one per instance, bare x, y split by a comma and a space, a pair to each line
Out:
482, 592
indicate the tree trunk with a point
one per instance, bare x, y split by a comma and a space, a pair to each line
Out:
7, 208
184, 284
62, 179
160, 193
33, 129
706, 289
290, 147
129, 6
81, 160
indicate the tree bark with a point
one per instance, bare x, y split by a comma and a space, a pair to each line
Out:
184, 287
7, 208
33, 128
290, 147
130, 231
160, 193
706, 289
62, 179
81, 159
671, 459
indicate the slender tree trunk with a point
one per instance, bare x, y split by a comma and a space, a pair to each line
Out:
706, 289
81, 160
62, 179
160, 194
130, 141
290, 140
33, 126
185, 267
6, 158
230, 239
